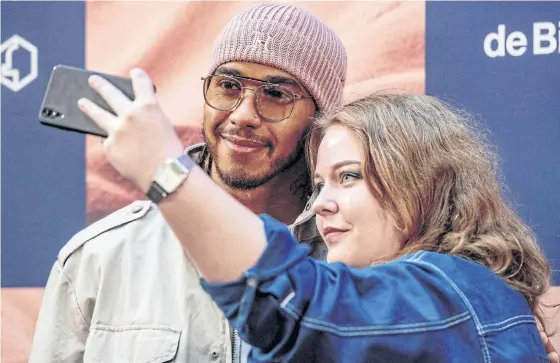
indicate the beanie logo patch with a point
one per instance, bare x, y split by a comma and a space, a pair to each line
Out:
261, 41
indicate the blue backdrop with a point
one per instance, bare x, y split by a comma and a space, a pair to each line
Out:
43, 169
515, 93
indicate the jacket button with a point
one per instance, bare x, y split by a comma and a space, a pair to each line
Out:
251, 282
215, 354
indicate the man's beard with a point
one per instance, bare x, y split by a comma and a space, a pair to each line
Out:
238, 179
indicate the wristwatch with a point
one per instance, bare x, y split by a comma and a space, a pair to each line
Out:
169, 177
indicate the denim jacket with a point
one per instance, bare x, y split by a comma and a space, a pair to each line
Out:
423, 307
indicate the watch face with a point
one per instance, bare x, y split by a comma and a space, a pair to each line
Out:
171, 176
178, 168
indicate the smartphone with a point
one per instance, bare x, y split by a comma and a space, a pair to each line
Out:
60, 103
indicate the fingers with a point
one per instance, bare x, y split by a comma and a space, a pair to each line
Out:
552, 355
143, 86
111, 94
546, 342
102, 118
144, 94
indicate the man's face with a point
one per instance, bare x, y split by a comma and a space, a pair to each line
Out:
249, 150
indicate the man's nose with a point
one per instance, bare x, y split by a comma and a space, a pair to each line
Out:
246, 114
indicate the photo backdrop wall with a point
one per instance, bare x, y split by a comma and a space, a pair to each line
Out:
499, 60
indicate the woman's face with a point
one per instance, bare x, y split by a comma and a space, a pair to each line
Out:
355, 228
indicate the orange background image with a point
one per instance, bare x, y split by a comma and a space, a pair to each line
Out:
385, 43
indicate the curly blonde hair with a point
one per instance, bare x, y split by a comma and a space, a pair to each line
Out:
431, 167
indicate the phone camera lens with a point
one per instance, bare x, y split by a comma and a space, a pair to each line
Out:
49, 112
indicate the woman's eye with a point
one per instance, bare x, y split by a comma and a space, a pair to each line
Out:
347, 176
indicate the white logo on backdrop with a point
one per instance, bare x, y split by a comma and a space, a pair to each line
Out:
544, 40
11, 75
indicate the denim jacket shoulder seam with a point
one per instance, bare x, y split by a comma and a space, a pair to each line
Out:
375, 329
505, 327
319, 325
508, 323
507, 320
466, 301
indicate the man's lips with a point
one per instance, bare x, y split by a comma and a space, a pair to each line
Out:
243, 145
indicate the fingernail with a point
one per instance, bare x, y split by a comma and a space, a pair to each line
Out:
93, 79
81, 103
136, 72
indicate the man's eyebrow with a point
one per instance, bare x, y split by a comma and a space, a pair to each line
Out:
285, 81
227, 71
281, 80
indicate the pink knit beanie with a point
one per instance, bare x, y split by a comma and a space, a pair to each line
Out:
291, 39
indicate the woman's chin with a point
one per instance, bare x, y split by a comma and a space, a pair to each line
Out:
335, 256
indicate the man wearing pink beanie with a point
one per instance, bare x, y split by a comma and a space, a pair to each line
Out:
122, 290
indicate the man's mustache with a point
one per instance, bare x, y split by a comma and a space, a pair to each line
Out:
244, 134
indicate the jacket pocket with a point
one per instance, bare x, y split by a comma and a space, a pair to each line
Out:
131, 344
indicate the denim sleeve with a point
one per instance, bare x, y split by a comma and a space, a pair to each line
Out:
289, 302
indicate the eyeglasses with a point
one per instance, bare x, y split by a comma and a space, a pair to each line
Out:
273, 102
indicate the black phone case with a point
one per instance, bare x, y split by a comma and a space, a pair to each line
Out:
66, 86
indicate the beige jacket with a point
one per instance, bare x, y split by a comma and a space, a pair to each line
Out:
123, 291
